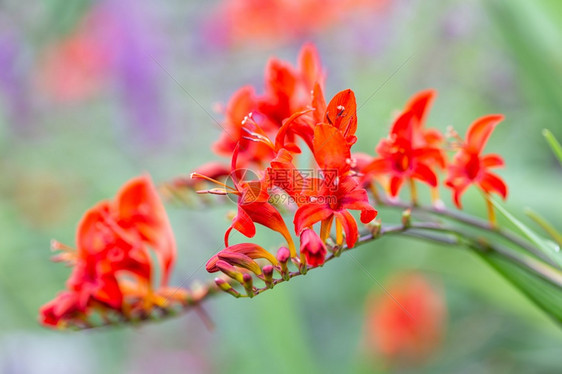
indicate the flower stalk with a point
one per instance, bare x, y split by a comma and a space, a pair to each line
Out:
433, 232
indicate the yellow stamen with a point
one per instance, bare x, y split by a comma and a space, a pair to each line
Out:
325, 228
201, 176
435, 194
339, 233
491, 211
413, 191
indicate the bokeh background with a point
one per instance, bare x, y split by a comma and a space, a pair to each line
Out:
93, 93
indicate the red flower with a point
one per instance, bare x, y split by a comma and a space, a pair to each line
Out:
312, 248
470, 167
401, 160
407, 327
287, 91
281, 20
113, 240
253, 204
333, 200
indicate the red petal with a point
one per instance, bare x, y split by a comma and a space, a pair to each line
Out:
492, 160
359, 200
423, 173
420, 105
309, 214
492, 183
265, 214
243, 224
395, 184
109, 292
140, 208
291, 125
280, 78
479, 132
330, 149
318, 103
349, 227
89, 239
378, 166
342, 113
402, 127
433, 154
458, 186
310, 66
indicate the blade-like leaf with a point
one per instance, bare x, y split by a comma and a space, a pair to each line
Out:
545, 225
544, 294
556, 147
539, 241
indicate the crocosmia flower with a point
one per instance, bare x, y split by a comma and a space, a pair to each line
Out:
287, 91
401, 160
408, 327
470, 167
112, 264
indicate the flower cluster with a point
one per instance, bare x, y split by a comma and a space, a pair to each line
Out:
113, 268
266, 137
267, 133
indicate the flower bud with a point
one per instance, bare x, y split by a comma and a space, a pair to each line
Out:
407, 218
268, 276
226, 287
283, 255
248, 284
375, 228
241, 260
312, 247
230, 270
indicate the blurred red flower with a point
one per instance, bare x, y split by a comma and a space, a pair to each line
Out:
282, 20
469, 166
405, 329
112, 261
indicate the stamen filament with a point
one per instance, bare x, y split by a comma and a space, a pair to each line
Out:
201, 176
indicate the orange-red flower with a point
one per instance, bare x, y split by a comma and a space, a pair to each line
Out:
401, 160
334, 199
406, 328
281, 20
253, 203
469, 166
287, 91
112, 261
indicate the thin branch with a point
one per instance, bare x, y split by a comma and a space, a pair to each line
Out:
471, 221
432, 232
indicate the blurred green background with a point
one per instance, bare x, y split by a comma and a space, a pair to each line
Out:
62, 150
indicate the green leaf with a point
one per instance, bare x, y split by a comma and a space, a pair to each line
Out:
544, 294
546, 226
546, 248
556, 147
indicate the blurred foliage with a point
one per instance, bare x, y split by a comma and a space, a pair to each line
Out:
482, 56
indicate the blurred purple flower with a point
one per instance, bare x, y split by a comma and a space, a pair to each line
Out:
13, 83
115, 43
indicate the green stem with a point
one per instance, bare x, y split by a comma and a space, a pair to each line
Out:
470, 221
433, 232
